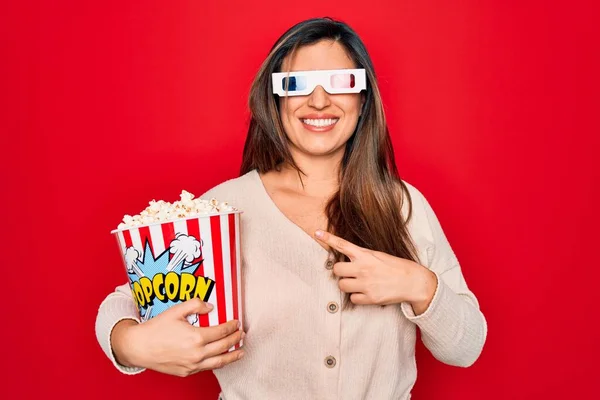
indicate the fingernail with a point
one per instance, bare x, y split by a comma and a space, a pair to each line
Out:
210, 306
319, 233
243, 335
239, 325
241, 356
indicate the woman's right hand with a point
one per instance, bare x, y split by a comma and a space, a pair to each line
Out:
168, 343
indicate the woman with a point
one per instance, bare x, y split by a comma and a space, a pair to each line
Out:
342, 260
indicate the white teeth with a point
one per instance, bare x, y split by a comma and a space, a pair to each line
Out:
320, 122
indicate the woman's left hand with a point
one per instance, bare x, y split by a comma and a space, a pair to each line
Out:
373, 277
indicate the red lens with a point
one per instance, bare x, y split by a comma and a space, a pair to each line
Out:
342, 81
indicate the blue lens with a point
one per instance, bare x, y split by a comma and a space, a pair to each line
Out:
294, 83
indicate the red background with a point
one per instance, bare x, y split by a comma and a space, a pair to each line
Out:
493, 108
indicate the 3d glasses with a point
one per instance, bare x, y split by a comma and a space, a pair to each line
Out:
334, 81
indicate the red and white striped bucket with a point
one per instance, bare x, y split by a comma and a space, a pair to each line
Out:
170, 262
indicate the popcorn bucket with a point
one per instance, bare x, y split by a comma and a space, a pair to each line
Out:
170, 262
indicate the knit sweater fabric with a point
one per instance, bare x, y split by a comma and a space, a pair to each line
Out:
301, 343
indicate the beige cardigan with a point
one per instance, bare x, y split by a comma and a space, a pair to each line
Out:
297, 346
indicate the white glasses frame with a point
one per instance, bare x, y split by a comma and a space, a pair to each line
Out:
319, 78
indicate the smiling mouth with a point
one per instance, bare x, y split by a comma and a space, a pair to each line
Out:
321, 122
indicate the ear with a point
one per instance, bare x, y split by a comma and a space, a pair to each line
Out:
363, 99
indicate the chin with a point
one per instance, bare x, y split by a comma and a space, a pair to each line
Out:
319, 144
319, 151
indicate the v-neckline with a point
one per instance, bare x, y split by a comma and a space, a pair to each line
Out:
285, 218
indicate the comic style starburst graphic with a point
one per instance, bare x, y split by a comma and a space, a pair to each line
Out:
161, 264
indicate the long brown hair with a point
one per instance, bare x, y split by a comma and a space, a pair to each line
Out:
366, 210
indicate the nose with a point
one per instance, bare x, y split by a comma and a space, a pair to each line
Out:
319, 98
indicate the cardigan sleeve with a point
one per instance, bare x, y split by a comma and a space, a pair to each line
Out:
453, 328
117, 306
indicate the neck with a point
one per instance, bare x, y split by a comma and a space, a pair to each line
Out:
320, 175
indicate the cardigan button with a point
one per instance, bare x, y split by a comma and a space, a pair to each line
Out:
330, 362
329, 264
332, 307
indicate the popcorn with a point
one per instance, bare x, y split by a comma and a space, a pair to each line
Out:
163, 211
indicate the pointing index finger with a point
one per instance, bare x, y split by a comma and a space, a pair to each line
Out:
341, 245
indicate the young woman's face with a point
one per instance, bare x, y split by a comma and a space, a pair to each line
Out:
319, 124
